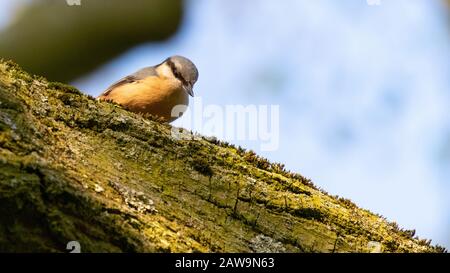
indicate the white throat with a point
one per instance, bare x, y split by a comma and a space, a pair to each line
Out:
165, 71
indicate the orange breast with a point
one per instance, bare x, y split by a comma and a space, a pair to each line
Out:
153, 95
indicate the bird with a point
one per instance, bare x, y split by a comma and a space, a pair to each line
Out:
156, 90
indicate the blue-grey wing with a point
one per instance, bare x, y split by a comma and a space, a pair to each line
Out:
136, 76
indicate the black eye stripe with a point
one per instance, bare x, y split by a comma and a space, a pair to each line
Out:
176, 72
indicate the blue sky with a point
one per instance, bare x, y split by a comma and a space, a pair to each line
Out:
363, 90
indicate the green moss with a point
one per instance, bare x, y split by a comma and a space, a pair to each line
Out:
64, 87
72, 168
202, 166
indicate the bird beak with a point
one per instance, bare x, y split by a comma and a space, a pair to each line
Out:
189, 90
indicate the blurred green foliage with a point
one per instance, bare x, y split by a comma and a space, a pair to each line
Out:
64, 42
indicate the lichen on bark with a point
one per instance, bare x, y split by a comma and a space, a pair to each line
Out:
75, 169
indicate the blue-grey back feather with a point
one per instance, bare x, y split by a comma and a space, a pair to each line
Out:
136, 76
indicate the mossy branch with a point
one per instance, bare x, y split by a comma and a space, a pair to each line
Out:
76, 169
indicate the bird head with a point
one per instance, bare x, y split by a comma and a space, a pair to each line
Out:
184, 70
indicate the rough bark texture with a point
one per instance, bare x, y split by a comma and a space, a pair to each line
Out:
72, 168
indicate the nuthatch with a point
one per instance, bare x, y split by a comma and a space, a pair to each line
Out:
156, 89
